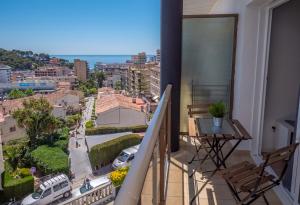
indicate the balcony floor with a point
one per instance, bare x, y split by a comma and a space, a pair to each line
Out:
181, 188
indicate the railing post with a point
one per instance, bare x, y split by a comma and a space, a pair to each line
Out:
162, 152
169, 128
154, 176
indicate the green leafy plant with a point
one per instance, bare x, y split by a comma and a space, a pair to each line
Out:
13, 186
23, 172
217, 109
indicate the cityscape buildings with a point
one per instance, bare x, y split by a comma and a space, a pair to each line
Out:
5, 74
81, 69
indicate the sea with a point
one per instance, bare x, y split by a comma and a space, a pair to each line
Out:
93, 59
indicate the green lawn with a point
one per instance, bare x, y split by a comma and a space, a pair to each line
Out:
50, 159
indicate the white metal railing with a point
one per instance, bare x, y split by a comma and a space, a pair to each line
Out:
99, 195
157, 136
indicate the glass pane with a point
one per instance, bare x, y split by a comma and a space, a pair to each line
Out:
207, 48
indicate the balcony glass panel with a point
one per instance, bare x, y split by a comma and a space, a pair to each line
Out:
207, 62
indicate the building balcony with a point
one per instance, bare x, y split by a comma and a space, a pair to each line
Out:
158, 176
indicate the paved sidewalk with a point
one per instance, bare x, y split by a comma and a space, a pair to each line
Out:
80, 163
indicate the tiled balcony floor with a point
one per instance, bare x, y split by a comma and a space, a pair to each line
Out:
181, 188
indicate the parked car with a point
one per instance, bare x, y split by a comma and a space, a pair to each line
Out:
125, 157
49, 191
88, 185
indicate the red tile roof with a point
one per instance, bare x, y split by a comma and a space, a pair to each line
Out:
108, 101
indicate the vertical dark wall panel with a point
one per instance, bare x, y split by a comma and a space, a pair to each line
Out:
171, 32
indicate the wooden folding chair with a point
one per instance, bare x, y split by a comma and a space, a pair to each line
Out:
253, 180
196, 110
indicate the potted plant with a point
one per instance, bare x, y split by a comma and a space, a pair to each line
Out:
218, 111
117, 177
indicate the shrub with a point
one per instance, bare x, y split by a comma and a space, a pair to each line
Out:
117, 177
89, 124
64, 133
110, 130
62, 144
23, 172
105, 153
16, 187
73, 119
50, 159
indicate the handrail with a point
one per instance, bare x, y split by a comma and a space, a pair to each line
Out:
132, 187
101, 193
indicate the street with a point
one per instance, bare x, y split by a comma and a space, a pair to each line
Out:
80, 163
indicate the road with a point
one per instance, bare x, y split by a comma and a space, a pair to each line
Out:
80, 163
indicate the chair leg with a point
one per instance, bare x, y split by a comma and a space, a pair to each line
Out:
265, 199
197, 149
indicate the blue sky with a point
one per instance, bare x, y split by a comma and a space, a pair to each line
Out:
80, 26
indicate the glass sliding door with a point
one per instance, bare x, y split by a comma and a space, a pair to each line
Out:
208, 55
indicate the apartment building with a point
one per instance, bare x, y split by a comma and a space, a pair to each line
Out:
5, 74
81, 69
52, 71
22, 75
155, 81
114, 73
139, 59
158, 55
138, 80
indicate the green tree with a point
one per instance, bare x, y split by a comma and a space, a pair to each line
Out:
118, 85
16, 93
99, 77
37, 119
29, 92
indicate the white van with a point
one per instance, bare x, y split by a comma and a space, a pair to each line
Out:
125, 157
49, 191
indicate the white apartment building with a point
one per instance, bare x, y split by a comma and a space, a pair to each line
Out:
5, 74
155, 81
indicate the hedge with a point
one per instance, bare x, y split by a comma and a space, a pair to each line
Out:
103, 154
17, 188
50, 159
110, 130
62, 144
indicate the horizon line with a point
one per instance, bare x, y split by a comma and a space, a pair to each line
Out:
96, 54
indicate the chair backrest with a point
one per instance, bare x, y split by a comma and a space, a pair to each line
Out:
281, 155
198, 109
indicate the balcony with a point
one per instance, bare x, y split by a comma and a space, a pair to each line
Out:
159, 177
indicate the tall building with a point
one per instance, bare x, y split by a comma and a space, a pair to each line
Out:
139, 59
158, 55
81, 69
5, 74
138, 82
155, 81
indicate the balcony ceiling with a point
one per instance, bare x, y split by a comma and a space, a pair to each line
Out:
197, 7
